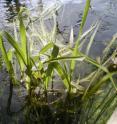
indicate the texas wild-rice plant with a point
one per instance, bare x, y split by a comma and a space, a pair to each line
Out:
37, 56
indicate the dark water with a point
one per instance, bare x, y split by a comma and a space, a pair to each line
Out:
102, 10
69, 15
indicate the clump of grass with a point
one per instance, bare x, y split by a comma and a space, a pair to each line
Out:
83, 100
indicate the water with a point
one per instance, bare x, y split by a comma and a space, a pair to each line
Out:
104, 10
70, 15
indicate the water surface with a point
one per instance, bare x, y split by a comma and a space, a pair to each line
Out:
104, 10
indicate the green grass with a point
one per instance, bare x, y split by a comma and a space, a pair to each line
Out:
88, 99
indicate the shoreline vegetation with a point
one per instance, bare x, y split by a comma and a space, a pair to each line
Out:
45, 67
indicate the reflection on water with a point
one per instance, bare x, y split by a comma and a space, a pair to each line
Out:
10, 8
13, 8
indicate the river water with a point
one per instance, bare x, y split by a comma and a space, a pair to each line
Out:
70, 15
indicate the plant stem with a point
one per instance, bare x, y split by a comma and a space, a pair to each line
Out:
10, 97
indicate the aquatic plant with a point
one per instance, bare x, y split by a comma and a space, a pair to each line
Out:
37, 56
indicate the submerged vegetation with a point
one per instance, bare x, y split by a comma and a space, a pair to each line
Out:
38, 61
